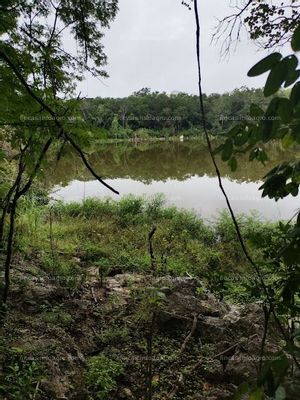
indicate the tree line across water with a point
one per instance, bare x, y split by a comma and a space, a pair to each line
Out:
151, 113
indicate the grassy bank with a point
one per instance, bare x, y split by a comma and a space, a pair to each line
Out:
67, 239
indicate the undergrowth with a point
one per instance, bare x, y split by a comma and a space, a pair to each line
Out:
113, 236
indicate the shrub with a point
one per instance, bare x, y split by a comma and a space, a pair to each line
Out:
101, 376
19, 377
65, 272
114, 334
93, 252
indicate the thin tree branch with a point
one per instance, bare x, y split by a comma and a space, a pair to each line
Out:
267, 312
229, 24
55, 118
219, 177
27, 186
7, 198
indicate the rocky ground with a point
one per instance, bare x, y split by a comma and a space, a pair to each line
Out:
200, 348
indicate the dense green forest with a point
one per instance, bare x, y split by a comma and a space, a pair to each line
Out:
146, 113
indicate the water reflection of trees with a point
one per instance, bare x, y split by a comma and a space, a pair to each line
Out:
159, 162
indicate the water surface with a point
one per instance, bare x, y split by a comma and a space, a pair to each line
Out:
183, 172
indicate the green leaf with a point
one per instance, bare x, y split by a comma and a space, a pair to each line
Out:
253, 154
257, 394
218, 149
241, 391
293, 74
266, 376
285, 109
287, 141
256, 112
276, 78
258, 154
269, 128
292, 61
280, 393
295, 94
271, 123
292, 77
262, 157
281, 132
227, 150
298, 219
234, 131
265, 64
280, 366
232, 164
241, 138
17, 350
295, 43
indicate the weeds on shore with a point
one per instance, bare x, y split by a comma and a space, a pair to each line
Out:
76, 236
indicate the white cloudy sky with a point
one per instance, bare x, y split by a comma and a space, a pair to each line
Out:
151, 44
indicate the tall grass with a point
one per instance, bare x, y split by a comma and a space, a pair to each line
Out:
115, 233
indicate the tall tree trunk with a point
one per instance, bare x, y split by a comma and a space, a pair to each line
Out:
5, 205
12, 209
9, 248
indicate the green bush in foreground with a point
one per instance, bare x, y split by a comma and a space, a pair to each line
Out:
20, 377
101, 376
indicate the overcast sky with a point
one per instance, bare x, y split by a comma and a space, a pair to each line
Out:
151, 44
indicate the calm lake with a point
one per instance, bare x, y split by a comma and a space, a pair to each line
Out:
181, 171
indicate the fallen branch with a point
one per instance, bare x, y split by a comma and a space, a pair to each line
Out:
189, 336
183, 317
233, 347
93, 295
36, 390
